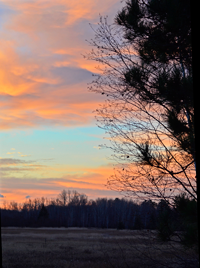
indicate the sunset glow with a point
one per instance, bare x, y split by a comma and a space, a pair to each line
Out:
49, 139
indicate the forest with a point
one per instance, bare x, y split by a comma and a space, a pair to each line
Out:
72, 209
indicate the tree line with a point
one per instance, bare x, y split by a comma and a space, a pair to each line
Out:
72, 209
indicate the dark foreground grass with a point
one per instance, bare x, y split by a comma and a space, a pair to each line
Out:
90, 248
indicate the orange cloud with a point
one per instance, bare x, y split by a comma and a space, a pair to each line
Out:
41, 63
74, 10
90, 181
33, 92
44, 83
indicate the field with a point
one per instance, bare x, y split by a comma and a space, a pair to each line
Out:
90, 248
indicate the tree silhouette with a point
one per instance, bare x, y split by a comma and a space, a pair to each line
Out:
145, 74
187, 219
43, 215
64, 196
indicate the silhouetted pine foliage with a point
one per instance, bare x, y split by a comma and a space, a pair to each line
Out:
146, 76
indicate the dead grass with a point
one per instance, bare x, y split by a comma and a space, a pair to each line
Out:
90, 248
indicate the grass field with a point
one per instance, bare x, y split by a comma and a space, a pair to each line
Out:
90, 248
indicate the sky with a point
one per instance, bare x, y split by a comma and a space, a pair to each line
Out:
49, 140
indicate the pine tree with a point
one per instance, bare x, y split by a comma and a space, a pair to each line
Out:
160, 32
146, 75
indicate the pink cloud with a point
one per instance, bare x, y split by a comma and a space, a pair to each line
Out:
41, 63
90, 181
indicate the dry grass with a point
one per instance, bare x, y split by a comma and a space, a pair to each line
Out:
85, 248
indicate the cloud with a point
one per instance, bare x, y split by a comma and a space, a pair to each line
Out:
13, 161
23, 155
69, 75
18, 167
28, 196
44, 81
97, 147
5, 170
43, 74
90, 181
2, 196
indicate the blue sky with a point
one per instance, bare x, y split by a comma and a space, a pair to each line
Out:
49, 139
